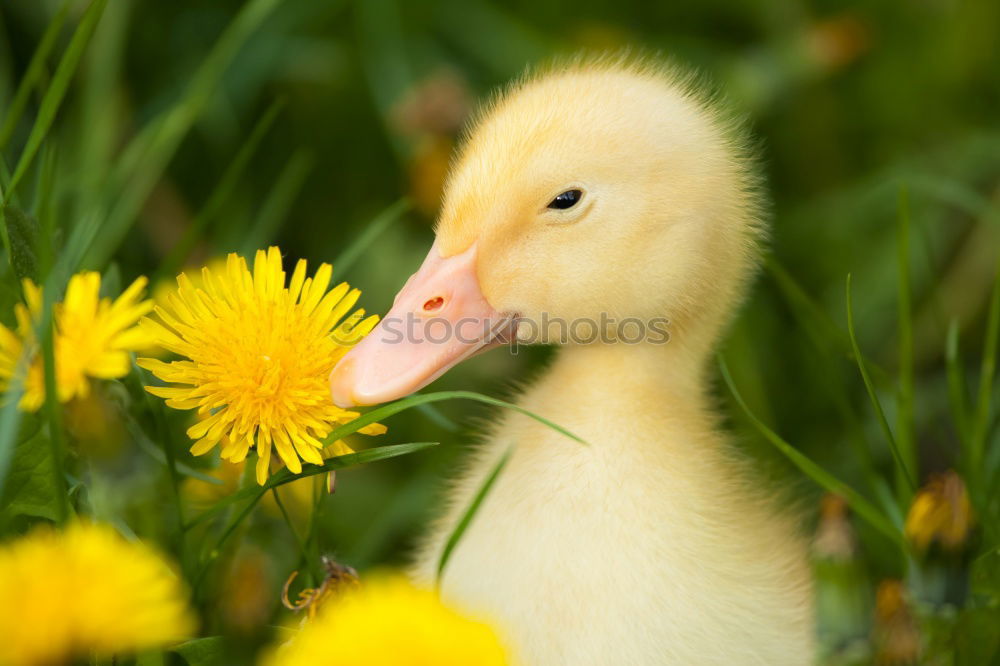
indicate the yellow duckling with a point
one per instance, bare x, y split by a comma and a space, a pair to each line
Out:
597, 192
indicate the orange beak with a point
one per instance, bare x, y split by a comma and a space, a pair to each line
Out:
439, 319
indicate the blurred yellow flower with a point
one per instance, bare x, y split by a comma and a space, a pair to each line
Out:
93, 338
244, 601
940, 512
896, 636
82, 591
389, 622
96, 425
257, 356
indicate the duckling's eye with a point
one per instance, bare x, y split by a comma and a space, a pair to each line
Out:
567, 199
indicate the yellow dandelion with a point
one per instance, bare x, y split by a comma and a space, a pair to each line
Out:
82, 591
93, 338
390, 622
942, 512
257, 354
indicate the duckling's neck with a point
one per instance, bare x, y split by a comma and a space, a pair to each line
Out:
669, 375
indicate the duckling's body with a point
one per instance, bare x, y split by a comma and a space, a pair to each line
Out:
649, 546
603, 190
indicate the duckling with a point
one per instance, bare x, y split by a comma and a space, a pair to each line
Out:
596, 192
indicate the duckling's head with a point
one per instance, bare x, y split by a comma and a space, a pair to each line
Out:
585, 196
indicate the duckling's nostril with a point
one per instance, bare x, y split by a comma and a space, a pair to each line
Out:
434, 304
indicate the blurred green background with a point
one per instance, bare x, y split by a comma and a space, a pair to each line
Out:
860, 109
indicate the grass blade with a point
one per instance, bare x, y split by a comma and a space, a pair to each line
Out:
53, 410
386, 411
348, 460
223, 190
813, 318
141, 378
10, 421
824, 332
329, 465
145, 159
53, 97
33, 73
382, 221
858, 504
956, 383
216, 550
904, 417
371, 455
980, 426
904, 472
279, 201
826, 337
155, 452
101, 79
469, 514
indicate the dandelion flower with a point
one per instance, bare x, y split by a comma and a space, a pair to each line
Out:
92, 339
82, 591
942, 512
390, 622
257, 354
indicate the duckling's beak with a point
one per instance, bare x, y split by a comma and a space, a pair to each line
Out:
439, 319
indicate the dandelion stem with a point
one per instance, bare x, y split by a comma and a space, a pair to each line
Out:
217, 549
166, 442
52, 408
288, 521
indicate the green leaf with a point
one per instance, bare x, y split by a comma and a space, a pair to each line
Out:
470, 513
211, 651
858, 504
910, 480
29, 490
329, 465
388, 410
22, 230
